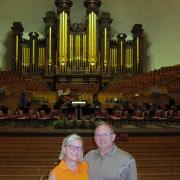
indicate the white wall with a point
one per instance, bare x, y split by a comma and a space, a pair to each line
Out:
160, 19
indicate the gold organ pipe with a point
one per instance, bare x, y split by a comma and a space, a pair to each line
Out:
42, 56
89, 44
84, 50
63, 40
129, 65
17, 51
113, 63
113, 58
79, 49
127, 58
137, 49
116, 57
22, 58
71, 48
76, 51
92, 34
60, 36
121, 60
84, 47
28, 55
137, 67
110, 56
75, 47
39, 56
63, 34
33, 52
105, 45
95, 38
65, 37
132, 59
25, 56
83, 54
50, 49
130, 54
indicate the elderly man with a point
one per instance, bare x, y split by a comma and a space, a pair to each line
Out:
109, 162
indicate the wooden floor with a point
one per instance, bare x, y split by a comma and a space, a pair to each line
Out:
26, 154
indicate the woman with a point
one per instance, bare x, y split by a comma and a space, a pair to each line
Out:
71, 166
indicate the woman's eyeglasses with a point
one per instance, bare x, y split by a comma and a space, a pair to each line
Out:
73, 147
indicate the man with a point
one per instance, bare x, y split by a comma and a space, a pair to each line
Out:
109, 162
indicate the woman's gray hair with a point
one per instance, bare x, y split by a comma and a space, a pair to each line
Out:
67, 141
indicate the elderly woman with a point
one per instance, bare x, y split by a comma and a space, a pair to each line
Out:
71, 166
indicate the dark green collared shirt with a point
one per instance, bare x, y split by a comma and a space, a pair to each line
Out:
115, 165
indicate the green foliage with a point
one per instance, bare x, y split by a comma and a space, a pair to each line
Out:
59, 124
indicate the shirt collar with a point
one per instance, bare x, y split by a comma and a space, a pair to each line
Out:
111, 152
63, 165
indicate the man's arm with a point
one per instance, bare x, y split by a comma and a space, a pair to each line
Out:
132, 170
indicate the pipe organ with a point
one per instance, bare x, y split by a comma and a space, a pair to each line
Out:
77, 48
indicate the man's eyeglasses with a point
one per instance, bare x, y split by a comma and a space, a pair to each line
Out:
73, 147
104, 134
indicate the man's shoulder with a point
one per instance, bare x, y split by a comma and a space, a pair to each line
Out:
90, 154
124, 154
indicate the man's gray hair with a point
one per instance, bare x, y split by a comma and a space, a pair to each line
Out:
100, 123
67, 141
